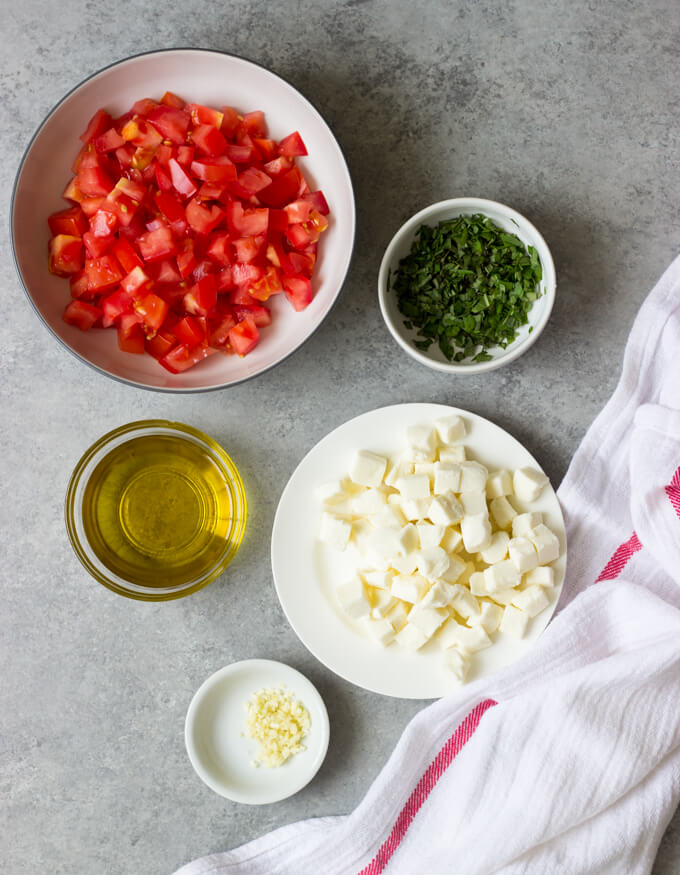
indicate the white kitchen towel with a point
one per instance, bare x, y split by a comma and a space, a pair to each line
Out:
569, 760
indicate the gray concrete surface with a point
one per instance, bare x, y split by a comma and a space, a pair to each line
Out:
566, 111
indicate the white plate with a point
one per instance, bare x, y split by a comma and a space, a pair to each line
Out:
216, 740
215, 79
306, 572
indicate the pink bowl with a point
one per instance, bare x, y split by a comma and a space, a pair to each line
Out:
200, 76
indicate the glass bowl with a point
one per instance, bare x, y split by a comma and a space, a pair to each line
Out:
155, 510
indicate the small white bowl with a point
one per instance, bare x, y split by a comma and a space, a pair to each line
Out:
202, 76
219, 749
400, 246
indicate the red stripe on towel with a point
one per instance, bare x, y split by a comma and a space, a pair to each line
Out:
620, 558
673, 492
425, 786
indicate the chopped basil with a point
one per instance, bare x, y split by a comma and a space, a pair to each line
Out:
466, 285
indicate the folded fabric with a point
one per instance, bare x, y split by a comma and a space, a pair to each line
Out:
569, 760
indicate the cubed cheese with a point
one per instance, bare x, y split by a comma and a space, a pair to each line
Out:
456, 662
524, 522
464, 603
406, 564
334, 531
398, 616
439, 595
429, 535
474, 503
432, 562
332, 492
531, 600
528, 483
410, 637
381, 545
409, 587
377, 579
489, 617
423, 443
450, 428
427, 618
456, 570
454, 634
455, 454
353, 598
473, 477
544, 576
502, 512
445, 510
478, 583
414, 487
499, 483
395, 470
497, 549
415, 509
369, 502
380, 629
446, 478
546, 543
514, 622
382, 602
408, 539
452, 539
367, 469
502, 575
476, 532
503, 596
522, 554
389, 517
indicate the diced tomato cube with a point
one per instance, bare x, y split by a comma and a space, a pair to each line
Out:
160, 344
204, 115
244, 275
97, 246
201, 219
157, 244
250, 182
230, 121
139, 132
114, 305
103, 273
318, 202
208, 140
82, 315
103, 223
247, 249
126, 255
183, 357
292, 145
167, 272
185, 155
298, 210
266, 148
218, 169
109, 141
100, 122
170, 99
252, 124
143, 106
163, 178
80, 287
220, 326
130, 335
224, 279
171, 123
153, 310
267, 285
246, 223
136, 283
244, 336
260, 315
298, 290
71, 221
277, 166
191, 330
181, 181
186, 260
282, 189
219, 249
94, 182
239, 154
66, 255
202, 296
170, 206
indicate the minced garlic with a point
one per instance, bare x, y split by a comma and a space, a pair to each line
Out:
279, 722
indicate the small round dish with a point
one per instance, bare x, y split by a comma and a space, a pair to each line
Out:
216, 79
155, 510
399, 247
216, 740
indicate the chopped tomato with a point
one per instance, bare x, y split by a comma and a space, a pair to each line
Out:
208, 140
71, 221
183, 357
82, 315
292, 145
170, 122
244, 336
191, 330
100, 122
202, 296
298, 290
153, 311
66, 254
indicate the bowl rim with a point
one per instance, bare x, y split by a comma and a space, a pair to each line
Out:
149, 426
476, 205
171, 390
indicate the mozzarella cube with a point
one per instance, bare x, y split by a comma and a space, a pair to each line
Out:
389, 517
414, 487
473, 477
445, 510
524, 522
334, 531
523, 554
381, 545
502, 511
381, 630
446, 478
382, 602
474, 503
478, 583
544, 576
408, 539
405, 564
432, 562
353, 599
402, 468
427, 618
531, 600
452, 539
464, 603
528, 483
409, 587
456, 662
398, 616
497, 549
502, 575
476, 532
489, 617
411, 637
450, 429
332, 492
467, 572
499, 483
454, 634
415, 509
455, 571
426, 468
369, 502
546, 543
514, 622
367, 469
454, 455
439, 595
429, 535
378, 579
423, 443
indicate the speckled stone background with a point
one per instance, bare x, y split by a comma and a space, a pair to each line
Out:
566, 111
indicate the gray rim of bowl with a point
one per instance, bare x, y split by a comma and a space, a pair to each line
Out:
169, 389
456, 368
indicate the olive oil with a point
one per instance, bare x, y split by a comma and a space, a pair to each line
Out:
158, 511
